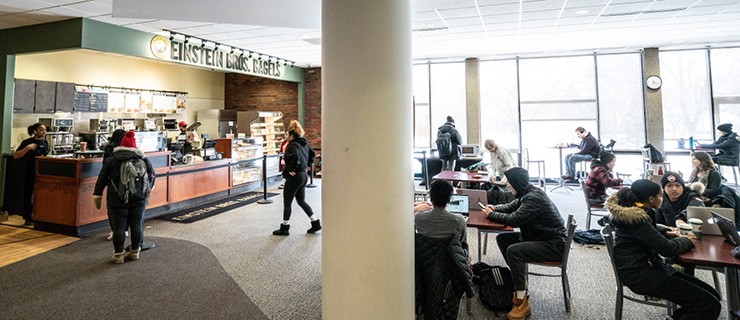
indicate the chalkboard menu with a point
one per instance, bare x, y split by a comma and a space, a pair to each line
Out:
82, 101
98, 102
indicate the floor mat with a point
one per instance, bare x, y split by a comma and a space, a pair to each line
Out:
213, 208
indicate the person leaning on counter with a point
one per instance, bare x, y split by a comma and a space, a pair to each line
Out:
29, 149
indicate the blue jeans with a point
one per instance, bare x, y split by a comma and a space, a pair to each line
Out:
121, 218
570, 162
448, 165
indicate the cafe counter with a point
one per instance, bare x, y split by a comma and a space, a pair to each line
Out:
64, 187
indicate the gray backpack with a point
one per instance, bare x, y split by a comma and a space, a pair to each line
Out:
134, 184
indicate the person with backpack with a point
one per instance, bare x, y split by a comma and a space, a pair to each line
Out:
129, 177
298, 155
448, 144
541, 237
639, 245
27, 151
113, 141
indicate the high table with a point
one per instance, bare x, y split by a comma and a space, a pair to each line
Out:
715, 252
562, 181
482, 224
457, 176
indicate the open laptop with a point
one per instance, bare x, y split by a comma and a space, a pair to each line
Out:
708, 225
475, 196
727, 228
459, 203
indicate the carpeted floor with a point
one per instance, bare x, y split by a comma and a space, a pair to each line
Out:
176, 280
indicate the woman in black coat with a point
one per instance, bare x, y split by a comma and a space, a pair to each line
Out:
639, 245
298, 157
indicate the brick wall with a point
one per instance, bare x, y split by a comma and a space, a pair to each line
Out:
250, 93
312, 106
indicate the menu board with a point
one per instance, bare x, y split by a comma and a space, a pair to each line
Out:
182, 103
116, 101
82, 101
145, 102
159, 103
131, 103
98, 101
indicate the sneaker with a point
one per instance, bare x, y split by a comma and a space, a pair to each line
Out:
521, 309
133, 255
118, 257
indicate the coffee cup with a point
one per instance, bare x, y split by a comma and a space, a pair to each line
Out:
685, 229
83, 146
696, 226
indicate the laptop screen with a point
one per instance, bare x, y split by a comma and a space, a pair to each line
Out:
458, 204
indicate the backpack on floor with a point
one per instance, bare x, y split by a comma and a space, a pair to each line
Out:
495, 286
134, 183
444, 144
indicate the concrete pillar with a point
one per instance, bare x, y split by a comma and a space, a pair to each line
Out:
368, 235
653, 99
472, 89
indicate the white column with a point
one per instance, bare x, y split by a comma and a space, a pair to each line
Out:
368, 235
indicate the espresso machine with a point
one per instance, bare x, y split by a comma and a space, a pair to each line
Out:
60, 139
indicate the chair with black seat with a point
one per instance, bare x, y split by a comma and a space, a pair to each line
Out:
540, 168
608, 236
591, 209
562, 264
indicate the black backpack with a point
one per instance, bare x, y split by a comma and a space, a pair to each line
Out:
444, 144
495, 286
655, 155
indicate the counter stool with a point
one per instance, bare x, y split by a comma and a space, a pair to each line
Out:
584, 169
734, 174
540, 166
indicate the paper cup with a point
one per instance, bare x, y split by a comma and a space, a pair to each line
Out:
685, 229
696, 227
83, 146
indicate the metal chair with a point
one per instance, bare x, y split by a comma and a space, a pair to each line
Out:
608, 235
562, 264
734, 173
646, 162
540, 166
592, 209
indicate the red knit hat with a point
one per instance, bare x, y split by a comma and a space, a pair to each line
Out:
129, 140
182, 124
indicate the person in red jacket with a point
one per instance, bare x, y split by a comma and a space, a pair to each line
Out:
601, 178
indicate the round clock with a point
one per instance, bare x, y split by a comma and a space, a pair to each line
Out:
653, 82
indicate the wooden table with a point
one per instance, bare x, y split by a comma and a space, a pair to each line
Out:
715, 252
482, 224
457, 176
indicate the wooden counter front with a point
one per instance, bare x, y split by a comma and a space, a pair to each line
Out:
64, 187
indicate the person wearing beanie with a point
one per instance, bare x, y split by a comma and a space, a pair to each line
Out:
448, 144
127, 211
727, 146
589, 149
676, 198
298, 157
601, 178
639, 245
541, 237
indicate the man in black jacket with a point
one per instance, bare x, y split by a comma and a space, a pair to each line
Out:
676, 198
588, 149
452, 141
728, 146
542, 237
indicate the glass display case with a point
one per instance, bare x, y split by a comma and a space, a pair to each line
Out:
265, 124
246, 158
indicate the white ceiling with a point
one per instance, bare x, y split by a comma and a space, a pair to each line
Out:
443, 29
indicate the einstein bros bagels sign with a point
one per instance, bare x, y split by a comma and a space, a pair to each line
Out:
202, 56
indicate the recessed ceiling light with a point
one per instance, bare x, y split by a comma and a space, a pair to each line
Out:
582, 12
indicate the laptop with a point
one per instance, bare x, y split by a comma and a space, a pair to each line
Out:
475, 196
459, 203
727, 228
708, 225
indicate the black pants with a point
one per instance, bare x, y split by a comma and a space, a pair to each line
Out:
518, 253
697, 300
30, 181
127, 215
295, 187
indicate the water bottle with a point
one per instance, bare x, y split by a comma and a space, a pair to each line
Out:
691, 143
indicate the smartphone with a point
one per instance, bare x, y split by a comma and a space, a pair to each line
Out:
481, 205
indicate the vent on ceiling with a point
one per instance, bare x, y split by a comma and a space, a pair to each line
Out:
313, 41
429, 29
631, 13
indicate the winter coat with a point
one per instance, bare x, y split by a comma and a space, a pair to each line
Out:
599, 179
670, 211
638, 247
455, 138
534, 214
729, 149
298, 156
589, 145
712, 180
442, 276
499, 195
501, 160
110, 174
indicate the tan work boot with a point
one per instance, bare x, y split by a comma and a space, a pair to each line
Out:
117, 257
520, 310
133, 255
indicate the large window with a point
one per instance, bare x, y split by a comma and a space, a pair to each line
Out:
621, 106
499, 103
447, 82
725, 80
421, 106
686, 100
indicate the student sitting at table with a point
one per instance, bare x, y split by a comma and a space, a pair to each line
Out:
588, 149
438, 222
601, 178
706, 174
727, 146
676, 198
639, 245
542, 236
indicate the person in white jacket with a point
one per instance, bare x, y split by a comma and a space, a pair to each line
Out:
501, 159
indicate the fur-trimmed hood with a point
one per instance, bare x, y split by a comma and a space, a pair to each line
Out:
624, 215
124, 153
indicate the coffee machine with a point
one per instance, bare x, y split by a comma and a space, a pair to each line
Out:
60, 139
